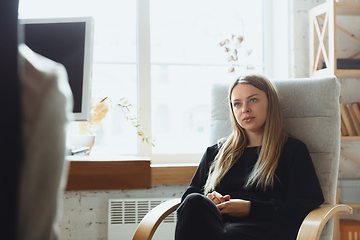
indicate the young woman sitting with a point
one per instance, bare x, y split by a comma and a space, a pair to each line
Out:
256, 184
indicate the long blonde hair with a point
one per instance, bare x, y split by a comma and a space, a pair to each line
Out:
232, 147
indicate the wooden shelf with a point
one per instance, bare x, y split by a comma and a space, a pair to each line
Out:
348, 73
354, 205
169, 174
347, 8
108, 173
350, 138
322, 36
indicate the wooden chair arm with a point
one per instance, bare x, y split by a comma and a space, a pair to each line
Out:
310, 229
315, 221
152, 220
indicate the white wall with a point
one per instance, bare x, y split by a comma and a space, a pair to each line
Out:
85, 213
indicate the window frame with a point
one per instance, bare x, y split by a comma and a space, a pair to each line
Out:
144, 78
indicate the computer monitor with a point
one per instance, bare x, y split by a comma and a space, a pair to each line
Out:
68, 41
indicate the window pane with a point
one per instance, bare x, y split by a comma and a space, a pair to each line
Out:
111, 45
181, 107
183, 34
114, 69
116, 81
186, 60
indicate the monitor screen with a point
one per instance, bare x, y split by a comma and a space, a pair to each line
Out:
68, 41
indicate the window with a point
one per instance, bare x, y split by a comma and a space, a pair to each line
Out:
162, 56
115, 60
186, 60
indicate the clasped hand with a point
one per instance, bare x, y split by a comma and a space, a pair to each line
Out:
232, 207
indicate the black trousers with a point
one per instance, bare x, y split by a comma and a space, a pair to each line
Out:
199, 218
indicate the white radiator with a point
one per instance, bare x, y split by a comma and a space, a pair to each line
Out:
126, 214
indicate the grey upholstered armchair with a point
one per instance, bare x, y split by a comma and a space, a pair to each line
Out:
311, 113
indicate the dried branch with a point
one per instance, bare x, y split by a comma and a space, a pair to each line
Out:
128, 109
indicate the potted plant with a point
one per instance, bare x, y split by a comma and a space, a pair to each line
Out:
86, 131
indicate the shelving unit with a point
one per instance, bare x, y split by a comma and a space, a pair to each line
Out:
322, 35
347, 155
323, 56
322, 46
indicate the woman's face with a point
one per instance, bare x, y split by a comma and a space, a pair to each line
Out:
250, 106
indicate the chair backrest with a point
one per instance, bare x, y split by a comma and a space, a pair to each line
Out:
311, 113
